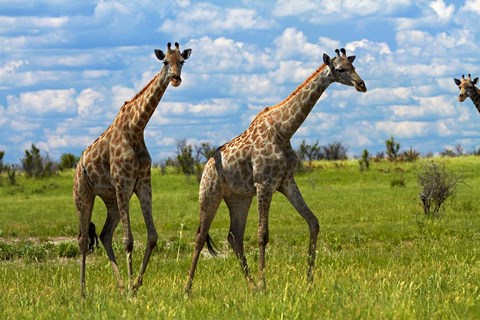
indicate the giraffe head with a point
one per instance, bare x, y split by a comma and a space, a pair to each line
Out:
343, 70
173, 60
466, 86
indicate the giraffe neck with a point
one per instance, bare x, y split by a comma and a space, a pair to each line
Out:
476, 99
292, 112
140, 109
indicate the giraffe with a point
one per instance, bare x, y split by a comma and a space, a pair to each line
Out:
117, 164
261, 161
468, 89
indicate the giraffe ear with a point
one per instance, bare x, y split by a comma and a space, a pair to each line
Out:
475, 80
457, 82
351, 59
327, 60
186, 53
159, 53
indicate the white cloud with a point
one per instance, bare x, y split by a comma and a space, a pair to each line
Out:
472, 5
88, 102
294, 44
370, 46
223, 54
324, 11
44, 101
30, 24
402, 129
434, 107
443, 11
210, 108
203, 18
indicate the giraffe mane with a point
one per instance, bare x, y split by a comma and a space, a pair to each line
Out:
293, 94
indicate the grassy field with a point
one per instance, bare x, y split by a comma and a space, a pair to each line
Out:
378, 256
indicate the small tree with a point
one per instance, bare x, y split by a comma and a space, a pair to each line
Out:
364, 162
12, 175
309, 152
437, 184
185, 157
2, 153
35, 165
205, 151
334, 151
67, 161
411, 155
392, 149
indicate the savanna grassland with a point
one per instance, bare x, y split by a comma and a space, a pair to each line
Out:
378, 256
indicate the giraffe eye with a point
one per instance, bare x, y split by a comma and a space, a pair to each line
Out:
165, 63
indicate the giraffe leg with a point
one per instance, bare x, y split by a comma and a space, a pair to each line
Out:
84, 206
144, 194
123, 194
210, 198
238, 207
293, 195
106, 236
264, 194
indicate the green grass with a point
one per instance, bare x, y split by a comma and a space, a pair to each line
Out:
378, 256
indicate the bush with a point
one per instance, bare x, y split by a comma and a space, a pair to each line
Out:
365, 161
392, 149
68, 250
437, 185
334, 151
185, 158
35, 165
68, 161
411, 155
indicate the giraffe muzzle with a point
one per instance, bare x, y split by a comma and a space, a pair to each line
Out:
175, 80
360, 86
462, 97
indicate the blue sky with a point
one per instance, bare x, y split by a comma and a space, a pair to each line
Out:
66, 67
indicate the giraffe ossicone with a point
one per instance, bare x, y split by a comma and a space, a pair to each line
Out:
117, 164
261, 161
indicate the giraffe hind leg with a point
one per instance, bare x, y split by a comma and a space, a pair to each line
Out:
106, 236
84, 207
238, 207
210, 198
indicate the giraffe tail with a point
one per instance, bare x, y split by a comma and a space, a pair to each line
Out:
211, 246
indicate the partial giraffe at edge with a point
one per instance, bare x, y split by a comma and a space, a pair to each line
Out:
117, 164
468, 89
261, 161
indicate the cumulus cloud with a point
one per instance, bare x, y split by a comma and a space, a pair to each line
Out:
88, 101
402, 129
203, 18
210, 108
472, 6
42, 102
324, 11
224, 54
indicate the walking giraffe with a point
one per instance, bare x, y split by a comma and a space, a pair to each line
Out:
261, 161
117, 164
468, 89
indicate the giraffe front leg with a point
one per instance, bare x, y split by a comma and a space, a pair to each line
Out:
264, 195
294, 196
